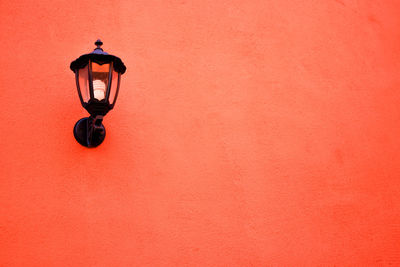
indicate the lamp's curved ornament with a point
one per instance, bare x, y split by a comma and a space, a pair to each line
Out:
98, 77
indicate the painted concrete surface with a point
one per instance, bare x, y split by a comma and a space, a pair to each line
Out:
246, 133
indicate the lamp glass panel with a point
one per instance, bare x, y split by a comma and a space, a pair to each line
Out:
100, 80
84, 84
114, 87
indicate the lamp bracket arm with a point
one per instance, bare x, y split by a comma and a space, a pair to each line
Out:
94, 125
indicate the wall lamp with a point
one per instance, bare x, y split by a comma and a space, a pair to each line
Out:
98, 77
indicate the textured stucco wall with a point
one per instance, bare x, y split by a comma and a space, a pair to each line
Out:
246, 133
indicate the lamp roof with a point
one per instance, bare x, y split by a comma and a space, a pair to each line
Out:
99, 56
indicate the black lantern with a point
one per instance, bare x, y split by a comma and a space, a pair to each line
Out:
98, 77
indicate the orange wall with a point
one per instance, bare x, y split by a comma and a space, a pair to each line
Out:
246, 133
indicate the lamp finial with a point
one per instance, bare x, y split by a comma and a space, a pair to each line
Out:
98, 43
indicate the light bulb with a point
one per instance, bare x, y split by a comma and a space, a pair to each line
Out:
99, 89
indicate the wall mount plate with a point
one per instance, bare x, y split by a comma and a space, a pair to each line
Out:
88, 135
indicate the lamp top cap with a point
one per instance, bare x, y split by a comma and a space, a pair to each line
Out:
98, 43
98, 49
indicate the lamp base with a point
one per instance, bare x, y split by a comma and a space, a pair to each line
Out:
89, 132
